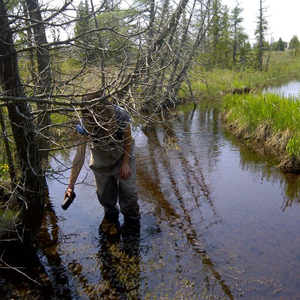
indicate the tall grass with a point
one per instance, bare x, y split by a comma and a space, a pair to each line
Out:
268, 119
283, 67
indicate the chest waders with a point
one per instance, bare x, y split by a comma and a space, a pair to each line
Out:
110, 187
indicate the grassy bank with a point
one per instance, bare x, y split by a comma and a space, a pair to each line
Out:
267, 121
282, 68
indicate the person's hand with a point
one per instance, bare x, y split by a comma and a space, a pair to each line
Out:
68, 198
68, 193
125, 171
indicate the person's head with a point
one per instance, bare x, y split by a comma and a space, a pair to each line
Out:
99, 114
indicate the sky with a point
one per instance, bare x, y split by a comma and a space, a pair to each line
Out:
282, 16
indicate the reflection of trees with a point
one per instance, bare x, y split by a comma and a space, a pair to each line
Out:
292, 190
119, 257
48, 241
43, 274
256, 161
177, 183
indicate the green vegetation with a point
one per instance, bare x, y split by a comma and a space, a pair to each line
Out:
4, 170
269, 121
282, 67
8, 222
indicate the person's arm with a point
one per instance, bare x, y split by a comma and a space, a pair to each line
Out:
78, 162
124, 170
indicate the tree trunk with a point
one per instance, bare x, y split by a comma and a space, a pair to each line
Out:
30, 38
32, 178
44, 72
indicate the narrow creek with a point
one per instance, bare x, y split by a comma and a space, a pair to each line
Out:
218, 220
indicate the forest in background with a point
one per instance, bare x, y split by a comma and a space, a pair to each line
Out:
148, 56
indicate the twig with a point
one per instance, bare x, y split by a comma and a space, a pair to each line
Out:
16, 269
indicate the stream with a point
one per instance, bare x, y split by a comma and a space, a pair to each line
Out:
289, 90
218, 221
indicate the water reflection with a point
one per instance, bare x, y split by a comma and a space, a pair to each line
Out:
291, 89
292, 191
39, 272
181, 192
212, 222
267, 165
119, 255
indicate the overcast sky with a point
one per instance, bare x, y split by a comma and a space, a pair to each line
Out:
282, 16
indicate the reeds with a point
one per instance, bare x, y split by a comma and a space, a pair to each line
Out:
270, 120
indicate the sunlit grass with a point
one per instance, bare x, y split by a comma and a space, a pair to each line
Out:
268, 119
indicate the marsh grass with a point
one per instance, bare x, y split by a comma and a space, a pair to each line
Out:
268, 120
283, 67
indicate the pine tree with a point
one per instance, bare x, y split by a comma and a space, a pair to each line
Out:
219, 35
294, 45
262, 27
239, 38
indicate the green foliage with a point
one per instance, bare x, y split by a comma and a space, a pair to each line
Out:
239, 38
3, 169
227, 44
260, 33
104, 35
293, 146
70, 64
279, 46
59, 119
219, 36
294, 45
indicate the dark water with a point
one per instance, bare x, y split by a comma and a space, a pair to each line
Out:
218, 221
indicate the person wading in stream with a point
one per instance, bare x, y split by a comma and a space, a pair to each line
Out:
107, 128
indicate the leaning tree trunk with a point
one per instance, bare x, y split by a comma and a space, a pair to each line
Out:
32, 179
141, 66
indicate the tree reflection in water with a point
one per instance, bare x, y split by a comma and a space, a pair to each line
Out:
172, 170
119, 264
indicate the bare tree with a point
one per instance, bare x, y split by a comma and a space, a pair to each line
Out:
138, 64
32, 183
